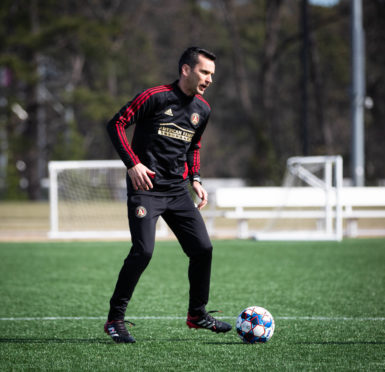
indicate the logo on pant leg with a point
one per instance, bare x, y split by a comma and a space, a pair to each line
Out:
140, 212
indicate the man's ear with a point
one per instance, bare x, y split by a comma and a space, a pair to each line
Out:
186, 69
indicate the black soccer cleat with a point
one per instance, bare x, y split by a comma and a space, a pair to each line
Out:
118, 331
206, 321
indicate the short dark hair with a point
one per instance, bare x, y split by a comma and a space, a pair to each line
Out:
190, 57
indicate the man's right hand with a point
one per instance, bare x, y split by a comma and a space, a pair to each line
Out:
141, 177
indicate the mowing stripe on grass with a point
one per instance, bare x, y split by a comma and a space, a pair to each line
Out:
319, 318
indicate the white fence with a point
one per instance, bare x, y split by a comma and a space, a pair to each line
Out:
303, 203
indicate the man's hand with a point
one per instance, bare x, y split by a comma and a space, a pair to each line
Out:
141, 177
201, 192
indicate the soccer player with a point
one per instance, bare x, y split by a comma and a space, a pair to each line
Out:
161, 159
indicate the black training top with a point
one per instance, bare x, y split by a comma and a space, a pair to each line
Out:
169, 126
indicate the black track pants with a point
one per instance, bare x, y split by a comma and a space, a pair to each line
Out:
186, 222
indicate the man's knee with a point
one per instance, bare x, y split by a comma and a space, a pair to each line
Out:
199, 251
140, 258
207, 249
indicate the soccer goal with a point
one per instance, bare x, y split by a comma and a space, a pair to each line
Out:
88, 200
309, 205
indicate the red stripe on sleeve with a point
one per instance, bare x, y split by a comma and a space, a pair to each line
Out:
202, 99
196, 160
125, 144
131, 110
141, 99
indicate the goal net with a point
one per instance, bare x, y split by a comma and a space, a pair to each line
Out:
308, 206
88, 200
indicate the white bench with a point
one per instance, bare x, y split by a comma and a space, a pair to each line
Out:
248, 203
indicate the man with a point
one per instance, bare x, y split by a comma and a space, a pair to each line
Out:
162, 157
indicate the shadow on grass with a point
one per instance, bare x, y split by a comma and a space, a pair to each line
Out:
110, 342
358, 342
224, 343
54, 341
100, 341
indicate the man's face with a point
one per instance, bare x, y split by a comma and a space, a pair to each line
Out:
199, 78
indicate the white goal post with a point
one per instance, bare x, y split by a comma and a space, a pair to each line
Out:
311, 189
88, 200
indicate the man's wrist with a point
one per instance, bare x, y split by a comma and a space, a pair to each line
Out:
196, 179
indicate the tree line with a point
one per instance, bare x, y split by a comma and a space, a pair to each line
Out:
67, 67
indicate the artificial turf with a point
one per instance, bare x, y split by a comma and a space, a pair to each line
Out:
327, 299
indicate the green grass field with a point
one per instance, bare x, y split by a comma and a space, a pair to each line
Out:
328, 301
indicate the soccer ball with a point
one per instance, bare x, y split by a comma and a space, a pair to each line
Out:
255, 324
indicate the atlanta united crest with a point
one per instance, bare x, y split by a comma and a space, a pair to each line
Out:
140, 211
194, 118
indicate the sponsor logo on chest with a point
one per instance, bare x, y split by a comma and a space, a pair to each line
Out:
173, 130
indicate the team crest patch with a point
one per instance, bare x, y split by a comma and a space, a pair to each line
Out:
194, 118
140, 211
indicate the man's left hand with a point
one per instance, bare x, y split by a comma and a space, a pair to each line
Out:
202, 194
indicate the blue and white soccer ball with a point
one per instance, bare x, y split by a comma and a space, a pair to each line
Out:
255, 324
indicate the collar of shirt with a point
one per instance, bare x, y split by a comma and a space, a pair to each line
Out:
180, 94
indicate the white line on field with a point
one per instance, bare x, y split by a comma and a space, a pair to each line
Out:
320, 318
